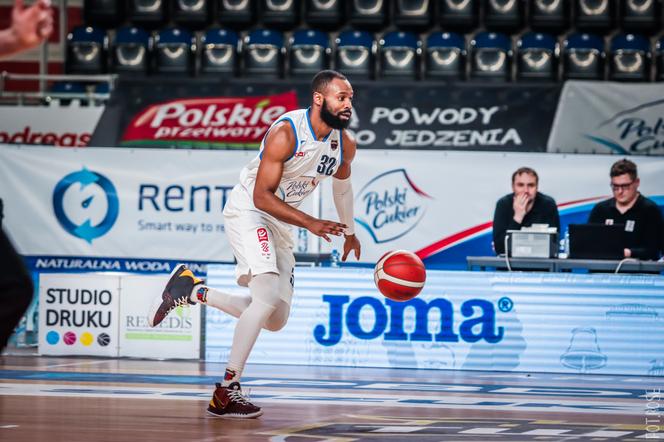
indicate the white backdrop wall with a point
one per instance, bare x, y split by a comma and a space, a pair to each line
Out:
166, 204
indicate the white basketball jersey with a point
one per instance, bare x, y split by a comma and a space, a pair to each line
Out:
312, 161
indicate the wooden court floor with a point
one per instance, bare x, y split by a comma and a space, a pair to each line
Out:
89, 399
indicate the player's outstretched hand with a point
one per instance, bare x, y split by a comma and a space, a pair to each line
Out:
323, 228
351, 243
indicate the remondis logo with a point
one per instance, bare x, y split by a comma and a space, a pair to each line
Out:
390, 205
85, 204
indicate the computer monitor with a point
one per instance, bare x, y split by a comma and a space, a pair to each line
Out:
596, 241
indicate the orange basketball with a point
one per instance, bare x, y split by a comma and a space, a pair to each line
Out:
400, 275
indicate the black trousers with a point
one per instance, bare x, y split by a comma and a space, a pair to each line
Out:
15, 289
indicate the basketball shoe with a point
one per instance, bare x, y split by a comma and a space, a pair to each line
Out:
175, 294
229, 402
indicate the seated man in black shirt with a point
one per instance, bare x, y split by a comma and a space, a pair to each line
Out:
523, 207
642, 218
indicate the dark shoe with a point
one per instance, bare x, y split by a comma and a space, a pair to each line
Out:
177, 293
230, 402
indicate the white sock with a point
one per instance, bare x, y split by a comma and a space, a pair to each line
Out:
232, 303
265, 298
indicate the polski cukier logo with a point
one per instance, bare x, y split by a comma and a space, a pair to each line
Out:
390, 205
85, 204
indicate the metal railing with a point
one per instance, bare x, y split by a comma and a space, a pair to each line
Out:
46, 97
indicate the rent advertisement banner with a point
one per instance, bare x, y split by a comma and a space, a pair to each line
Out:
607, 117
528, 322
54, 126
162, 205
117, 203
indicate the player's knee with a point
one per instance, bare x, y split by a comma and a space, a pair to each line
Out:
265, 289
279, 318
275, 325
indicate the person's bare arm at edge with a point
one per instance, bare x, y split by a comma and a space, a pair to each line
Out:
30, 26
343, 173
278, 148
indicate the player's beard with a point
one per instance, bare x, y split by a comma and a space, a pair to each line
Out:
334, 121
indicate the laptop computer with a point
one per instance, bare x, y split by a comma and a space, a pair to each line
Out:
596, 241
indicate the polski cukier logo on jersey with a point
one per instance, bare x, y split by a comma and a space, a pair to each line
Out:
86, 204
390, 205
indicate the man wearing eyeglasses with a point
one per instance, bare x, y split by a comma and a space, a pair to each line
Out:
642, 218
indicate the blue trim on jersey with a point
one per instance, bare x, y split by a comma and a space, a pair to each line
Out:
341, 147
297, 140
311, 128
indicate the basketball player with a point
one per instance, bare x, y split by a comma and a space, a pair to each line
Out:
300, 149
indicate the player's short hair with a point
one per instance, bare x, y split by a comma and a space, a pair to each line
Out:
622, 167
324, 78
528, 170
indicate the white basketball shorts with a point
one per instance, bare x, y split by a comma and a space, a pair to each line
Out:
260, 247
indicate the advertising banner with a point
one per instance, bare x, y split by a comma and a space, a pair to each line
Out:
388, 115
441, 204
78, 315
528, 322
117, 203
463, 117
147, 208
607, 117
208, 122
53, 126
178, 336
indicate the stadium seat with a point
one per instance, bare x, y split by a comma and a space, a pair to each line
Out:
220, 52
491, 57
130, 51
195, 14
103, 13
629, 58
280, 14
659, 54
64, 92
640, 15
460, 15
355, 54
549, 15
324, 14
537, 57
413, 14
368, 14
174, 51
593, 15
400, 54
583, 57
264, 54
309, 53
149, 14
236, 14
445, 56
86, 51
503, 15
